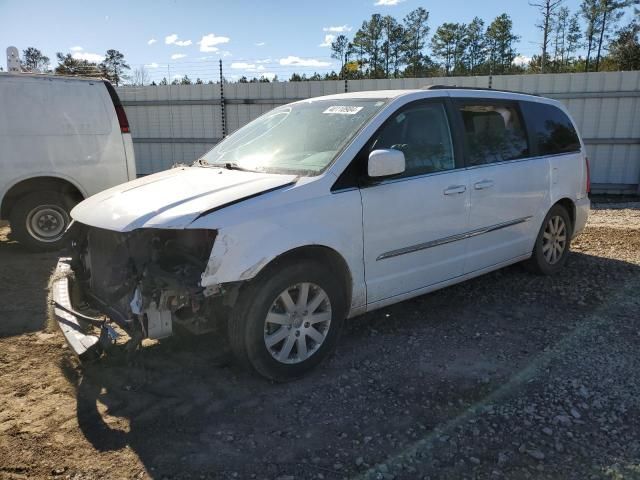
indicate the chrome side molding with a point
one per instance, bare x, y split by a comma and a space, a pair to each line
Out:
452, 238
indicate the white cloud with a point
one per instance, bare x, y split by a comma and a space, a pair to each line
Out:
151, 41
261, 44
269, 75
176, 56
173, 40
76, 49
327, 40
303, 62
243, 66
152, 65
338, 29
265, 60
388, 2
521, 60
226, 53
89, 57
208, 42
248, 67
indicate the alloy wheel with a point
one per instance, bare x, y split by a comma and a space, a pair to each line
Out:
554, 239
297, 323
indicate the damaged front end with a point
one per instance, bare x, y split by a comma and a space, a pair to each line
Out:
147, 281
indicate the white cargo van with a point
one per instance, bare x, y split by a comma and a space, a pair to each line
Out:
62, 139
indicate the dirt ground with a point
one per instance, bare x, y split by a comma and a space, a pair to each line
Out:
510, 375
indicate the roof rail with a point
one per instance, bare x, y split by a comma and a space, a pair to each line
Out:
456, 87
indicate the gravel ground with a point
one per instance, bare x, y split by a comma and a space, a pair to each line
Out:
509, 375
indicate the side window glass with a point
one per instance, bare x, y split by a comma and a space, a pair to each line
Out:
422, 134
493, 133
552, 130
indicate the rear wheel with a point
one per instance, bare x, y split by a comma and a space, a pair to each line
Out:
40, 219
288, 320
552, 244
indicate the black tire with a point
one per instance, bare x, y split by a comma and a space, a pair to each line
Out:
51, 209
247, 327
540, 262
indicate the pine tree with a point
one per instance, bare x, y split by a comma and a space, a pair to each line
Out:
33, 60
416, 30
476, 45
114, 66
339, 49
501, 45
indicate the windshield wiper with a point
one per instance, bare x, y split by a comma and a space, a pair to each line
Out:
235, 166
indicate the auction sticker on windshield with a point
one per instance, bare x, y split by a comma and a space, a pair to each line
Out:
343, 109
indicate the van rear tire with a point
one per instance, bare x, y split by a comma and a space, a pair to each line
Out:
39, 220
552, 243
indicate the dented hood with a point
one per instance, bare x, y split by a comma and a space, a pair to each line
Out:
174, 198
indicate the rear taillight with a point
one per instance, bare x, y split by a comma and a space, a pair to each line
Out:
588, 183
122, 119
120, 113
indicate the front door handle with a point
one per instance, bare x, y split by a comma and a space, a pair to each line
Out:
483, 184
455, 190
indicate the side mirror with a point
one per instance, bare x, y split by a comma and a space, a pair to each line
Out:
385, 162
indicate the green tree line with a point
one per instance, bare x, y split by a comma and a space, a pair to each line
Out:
385, 47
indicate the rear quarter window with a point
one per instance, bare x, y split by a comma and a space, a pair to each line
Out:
551, 129
31, 107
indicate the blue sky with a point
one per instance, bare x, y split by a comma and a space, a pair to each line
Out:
252, 37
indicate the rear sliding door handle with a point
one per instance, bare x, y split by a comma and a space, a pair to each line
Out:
455, 190
483, 184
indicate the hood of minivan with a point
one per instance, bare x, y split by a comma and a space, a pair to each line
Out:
174, 198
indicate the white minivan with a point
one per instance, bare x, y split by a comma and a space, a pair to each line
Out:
324, 209
62, 139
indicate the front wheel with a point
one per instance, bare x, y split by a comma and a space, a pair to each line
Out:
552, 244
288, 319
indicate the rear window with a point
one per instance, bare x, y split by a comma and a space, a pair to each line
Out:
551, 129
42, 106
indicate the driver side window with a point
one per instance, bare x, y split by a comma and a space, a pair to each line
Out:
422, 134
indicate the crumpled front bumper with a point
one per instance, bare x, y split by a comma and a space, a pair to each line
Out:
73, 326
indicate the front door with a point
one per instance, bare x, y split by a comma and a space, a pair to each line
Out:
411, 223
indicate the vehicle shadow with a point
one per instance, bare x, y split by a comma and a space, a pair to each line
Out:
24, 277
398, 374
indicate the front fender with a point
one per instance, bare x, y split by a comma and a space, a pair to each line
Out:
243, 249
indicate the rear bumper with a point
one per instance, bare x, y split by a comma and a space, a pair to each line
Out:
86, 346
583, 206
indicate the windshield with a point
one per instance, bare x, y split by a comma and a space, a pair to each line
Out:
301, 139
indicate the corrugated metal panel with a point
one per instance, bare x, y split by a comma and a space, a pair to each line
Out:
171, 122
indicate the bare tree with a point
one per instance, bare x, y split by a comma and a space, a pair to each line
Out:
547, 10
610, 12
141, 76
591, 13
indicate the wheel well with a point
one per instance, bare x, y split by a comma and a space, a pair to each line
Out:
327, 256
30, 185
570, 207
